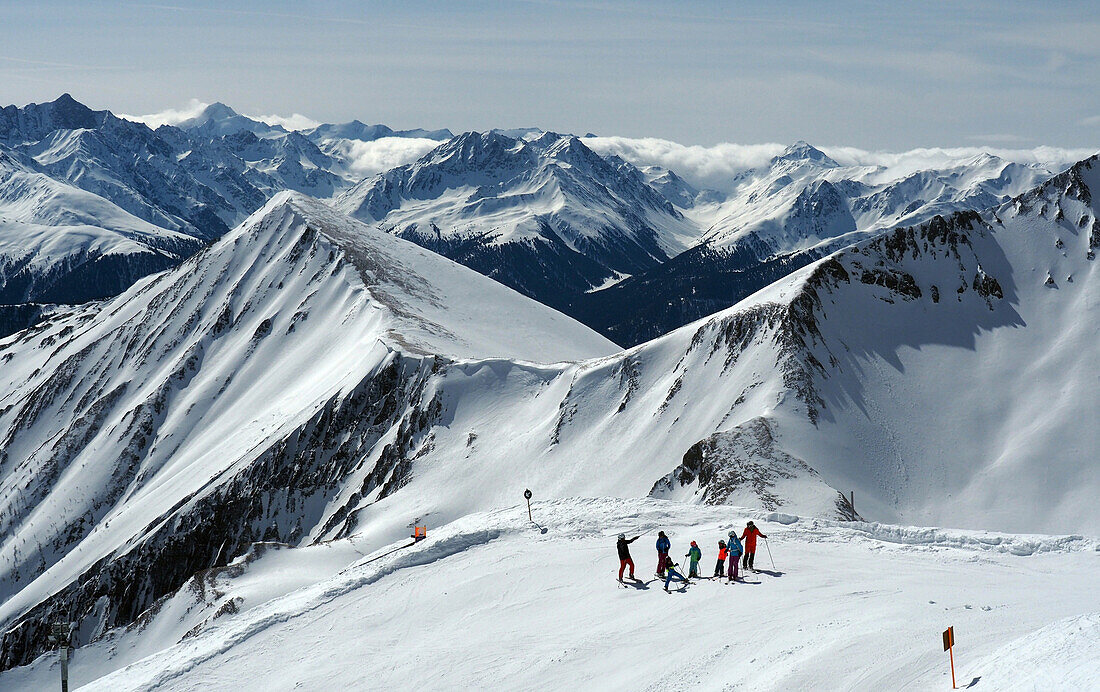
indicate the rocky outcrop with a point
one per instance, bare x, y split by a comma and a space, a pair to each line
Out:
746, 466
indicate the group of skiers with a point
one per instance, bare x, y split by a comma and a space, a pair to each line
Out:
732, 549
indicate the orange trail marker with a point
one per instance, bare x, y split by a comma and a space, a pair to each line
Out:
948, 643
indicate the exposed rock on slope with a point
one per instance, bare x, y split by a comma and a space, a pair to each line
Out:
744, 466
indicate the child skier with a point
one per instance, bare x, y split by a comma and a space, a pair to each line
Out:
695, 555
671, 567
720, 568
749, 536
733, 545
624, 555
663, 546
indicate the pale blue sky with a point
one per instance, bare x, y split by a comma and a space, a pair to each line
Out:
892, 75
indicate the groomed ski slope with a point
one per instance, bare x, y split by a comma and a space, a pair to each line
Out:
491, 602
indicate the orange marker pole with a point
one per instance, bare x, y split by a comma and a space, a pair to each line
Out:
951, 654
949, 647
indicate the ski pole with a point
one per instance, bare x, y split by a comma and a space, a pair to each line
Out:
769, 552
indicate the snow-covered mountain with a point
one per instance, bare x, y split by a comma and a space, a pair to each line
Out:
201, 177
633, 253
218, 119
303, 338
61, 244
797, 209
546, 216
92, 202
119, 160
318, 161
309, 378
803, 197
359, 131
251, 168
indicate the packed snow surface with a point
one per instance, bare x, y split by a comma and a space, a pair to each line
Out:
492, 601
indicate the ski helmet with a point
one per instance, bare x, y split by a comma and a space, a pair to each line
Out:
750, 524
622, 536
693, 543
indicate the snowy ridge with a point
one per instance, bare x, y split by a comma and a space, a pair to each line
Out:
186, 393
101, 201
803, 198
796, 210
957, 303
59, 243
546, 216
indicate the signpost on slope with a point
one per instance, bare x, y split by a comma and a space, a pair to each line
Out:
948, 644
527, 496
59, 634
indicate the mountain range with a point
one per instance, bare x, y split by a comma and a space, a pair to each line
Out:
633, 252
310, 377
189, 184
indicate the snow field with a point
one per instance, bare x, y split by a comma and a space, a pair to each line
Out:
491, 602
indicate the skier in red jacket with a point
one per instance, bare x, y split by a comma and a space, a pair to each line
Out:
720, 568
749, 537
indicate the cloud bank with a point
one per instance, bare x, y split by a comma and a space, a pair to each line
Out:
369, 158
295, 121
170, 116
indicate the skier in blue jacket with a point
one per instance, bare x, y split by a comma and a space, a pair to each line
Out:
663, 546
733, 545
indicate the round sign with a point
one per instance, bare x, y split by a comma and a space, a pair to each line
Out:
527, 494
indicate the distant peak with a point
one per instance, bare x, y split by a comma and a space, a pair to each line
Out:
803, 151
218, 111
481, 139
546, 138
984, 158
66, 103
66, 99
473, 147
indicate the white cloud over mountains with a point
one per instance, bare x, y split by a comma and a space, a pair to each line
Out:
169, 116
295, 121
715, 166
702, 166
370, 158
